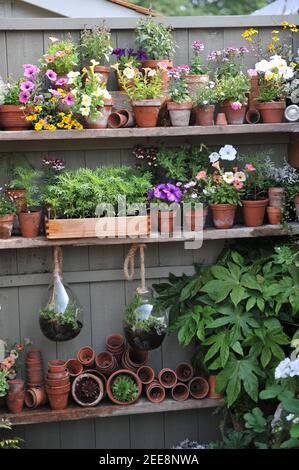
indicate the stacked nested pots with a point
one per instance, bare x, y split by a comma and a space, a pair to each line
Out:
115, 344
133, 359
58, 385
35, 394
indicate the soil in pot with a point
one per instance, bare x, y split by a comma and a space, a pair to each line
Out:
12, 117
274, 215
167, 378
144, 340
6, 226
223, 215
184, 372
180, 392
29, 223
254, 212
204, 115
55, 331
198, 387
155, 392
124, 387
88, 390
179, 113
146, 112
272, 112
234, 116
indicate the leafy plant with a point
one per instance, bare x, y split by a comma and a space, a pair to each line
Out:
232, 440
9, 92
66, 318
26, 179
124, 388
178, 89
62, 56
6, 206
155, 39
258, 168
8, 443
206, 94
196, 66
96, 44
233, 88
3, 382
140, 84
133, 316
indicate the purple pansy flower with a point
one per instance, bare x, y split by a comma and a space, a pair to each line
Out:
38, 98
167, 192
51, 75
24, 97
119, 52
27, 86
141, 55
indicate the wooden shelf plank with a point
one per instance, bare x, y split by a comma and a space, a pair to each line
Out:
106, 410
134, 132
208, 234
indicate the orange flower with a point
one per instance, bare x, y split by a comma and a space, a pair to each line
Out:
217, 178
9, 362
49, 58
20, 347
201, 175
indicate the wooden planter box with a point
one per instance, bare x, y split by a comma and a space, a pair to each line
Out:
104, 227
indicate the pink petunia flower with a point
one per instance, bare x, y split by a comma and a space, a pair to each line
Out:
30, 71
238, 184
27, 86
62, 81
24, 97
252, 72
250, 167
201, 175
69, 99
51, 75
197, 46
59, 53
54, 92
49, 58
236, 105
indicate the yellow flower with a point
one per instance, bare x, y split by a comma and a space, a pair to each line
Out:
275, 31
270, 76
61, 114
293, 64
38, 108
284, 24
275, 38
38, 126
60, 124
249, 39
271, 47
33, 117
293, 28
249, 32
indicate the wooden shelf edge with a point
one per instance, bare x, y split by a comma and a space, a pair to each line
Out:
208, 234
107, 410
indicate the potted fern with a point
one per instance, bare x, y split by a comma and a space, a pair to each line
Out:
124, 387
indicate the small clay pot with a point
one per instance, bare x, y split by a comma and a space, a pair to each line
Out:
198, 387
166, 220
116, 120
101, 122
115, 343
57, 375
146, 374
18, 197
179, 113
29, 223
58, 401
74, 367
180, 392
106, 362
129, 116
15, 402
167, 378
223, 215
204, 115
272, 112
221, 120
127, 365
195, 219
6, 226
57, 383
212, 379
146, 112
16, 385
254, 212
35, 397
88, 389
113, 377
12, 117
56, 366
184, 372
86, 356
33, 353
276, 197
136, 358
274, 215
253, 116
234, 116
155, 392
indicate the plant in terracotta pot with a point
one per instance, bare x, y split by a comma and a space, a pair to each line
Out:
198, 73
144, 88
22, 179
232, 92
195, 204
7, 216
273, 74
165, 198
205, 98
128, 56
96, 44
88, 389
124, 387
180, 106
62, 56
30, 217
228, 61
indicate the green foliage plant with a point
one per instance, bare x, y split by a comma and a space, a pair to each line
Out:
62, 56
27, 179
7, 207
140, 85
233, 88
155, 39
96, 44
8, 443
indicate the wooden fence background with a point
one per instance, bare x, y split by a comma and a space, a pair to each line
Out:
95, 273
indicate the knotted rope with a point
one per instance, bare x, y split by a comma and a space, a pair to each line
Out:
58, 259
129, 266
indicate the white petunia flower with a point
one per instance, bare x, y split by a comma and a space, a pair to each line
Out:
86, 100
228, 177
283, 369
290, 417
214, 157
294, 366
129, 73
262, 66
85, 111
228, 152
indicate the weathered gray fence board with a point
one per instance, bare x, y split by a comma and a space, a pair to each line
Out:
149, 435
78, 434
113, 433
187, 428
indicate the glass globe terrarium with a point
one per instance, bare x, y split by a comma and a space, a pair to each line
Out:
145, 323
62, 317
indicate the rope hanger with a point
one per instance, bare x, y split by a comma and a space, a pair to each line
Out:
58, 259
129, 266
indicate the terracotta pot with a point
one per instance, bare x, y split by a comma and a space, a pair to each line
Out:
179, 113
180, 392
101, 122
57, 375
34, 353
126, 365
136, 358
153, 64
221, 119
35, 397
58, 400
18, 197
101, 376
29, 223
276, 197
155, 392
198, 387
204, 115
110, 383
223, 215
254, 92
115, 343
146, 374
16, 385
166, 220
234, 116
74, 367
184, 372
6, 225
274, 215
88, 389
56, 366
253, 116
116, 120
106, 363
15, 402
272, 111
167, 378
104, 71
254, 212
12, 117
293, 150
59, 389
195, 219
194, 80
86, 356
212, 388
129, 116
146, 112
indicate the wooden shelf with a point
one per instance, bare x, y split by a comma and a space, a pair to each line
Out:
208, 234
137, 133
106, 410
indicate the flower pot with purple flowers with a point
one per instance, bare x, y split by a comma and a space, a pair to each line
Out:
198, 74
165, 199
123, 57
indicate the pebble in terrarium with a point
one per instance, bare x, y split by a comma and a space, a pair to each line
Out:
61, 319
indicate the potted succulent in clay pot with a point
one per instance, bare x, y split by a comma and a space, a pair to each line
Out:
273, 75
144, 88
128, 56
198, 73
89, 97
145, 323
195, 202
7, 216
205, 98
157, 41
124, 387
180, 104
96, 44
61, 57
88, 389
165, 199
232, 92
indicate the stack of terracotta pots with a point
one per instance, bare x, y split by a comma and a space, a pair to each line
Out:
15, 396
58, 385
115, 344
106, 363
133, 359
35, 394
276, 203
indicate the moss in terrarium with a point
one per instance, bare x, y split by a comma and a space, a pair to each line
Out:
124, 388
148, 324
67, 318
60, 326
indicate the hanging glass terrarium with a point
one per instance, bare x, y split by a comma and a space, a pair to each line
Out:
61, 318
145, 323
